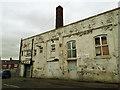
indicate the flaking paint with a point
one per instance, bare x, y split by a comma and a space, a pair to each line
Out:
88, 66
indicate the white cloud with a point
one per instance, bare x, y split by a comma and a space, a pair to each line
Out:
21, 19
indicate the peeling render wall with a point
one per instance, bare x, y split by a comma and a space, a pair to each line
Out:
86, 66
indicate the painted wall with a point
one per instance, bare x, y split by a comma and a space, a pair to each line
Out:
86, 66
21, 70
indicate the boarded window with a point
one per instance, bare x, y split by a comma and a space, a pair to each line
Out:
104, 40
105, 50
71, 49
101, 46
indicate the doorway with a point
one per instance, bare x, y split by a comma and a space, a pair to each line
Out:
27, 70
72, 68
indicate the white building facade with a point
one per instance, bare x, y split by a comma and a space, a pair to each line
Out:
86, 50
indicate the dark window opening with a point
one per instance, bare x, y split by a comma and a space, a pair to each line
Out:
41, 49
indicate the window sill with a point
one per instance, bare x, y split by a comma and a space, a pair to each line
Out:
102, 57
72, 58
53, 51
52, 59
27, 56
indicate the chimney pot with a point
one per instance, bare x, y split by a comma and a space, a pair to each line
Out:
10, 59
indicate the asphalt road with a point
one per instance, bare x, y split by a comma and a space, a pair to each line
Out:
34, 83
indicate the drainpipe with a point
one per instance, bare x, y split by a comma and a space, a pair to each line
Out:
31, 62
20, 51
20, 55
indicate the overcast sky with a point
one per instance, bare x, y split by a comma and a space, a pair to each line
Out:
25, 18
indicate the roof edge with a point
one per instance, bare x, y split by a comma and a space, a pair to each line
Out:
74, 22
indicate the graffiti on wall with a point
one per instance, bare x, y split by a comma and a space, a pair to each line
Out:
72, 68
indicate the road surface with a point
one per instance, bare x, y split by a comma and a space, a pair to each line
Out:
34, 83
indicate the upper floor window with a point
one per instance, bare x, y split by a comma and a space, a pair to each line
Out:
53, 47
4, 66
101, 45
41, 49
71, 49
29, 53
26, 53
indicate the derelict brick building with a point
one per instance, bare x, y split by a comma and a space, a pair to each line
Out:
86, 50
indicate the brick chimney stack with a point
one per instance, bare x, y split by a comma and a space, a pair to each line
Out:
59, 17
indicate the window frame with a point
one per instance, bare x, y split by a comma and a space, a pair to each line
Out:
101, 45
71, 49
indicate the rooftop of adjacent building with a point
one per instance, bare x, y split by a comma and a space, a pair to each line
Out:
10, 61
